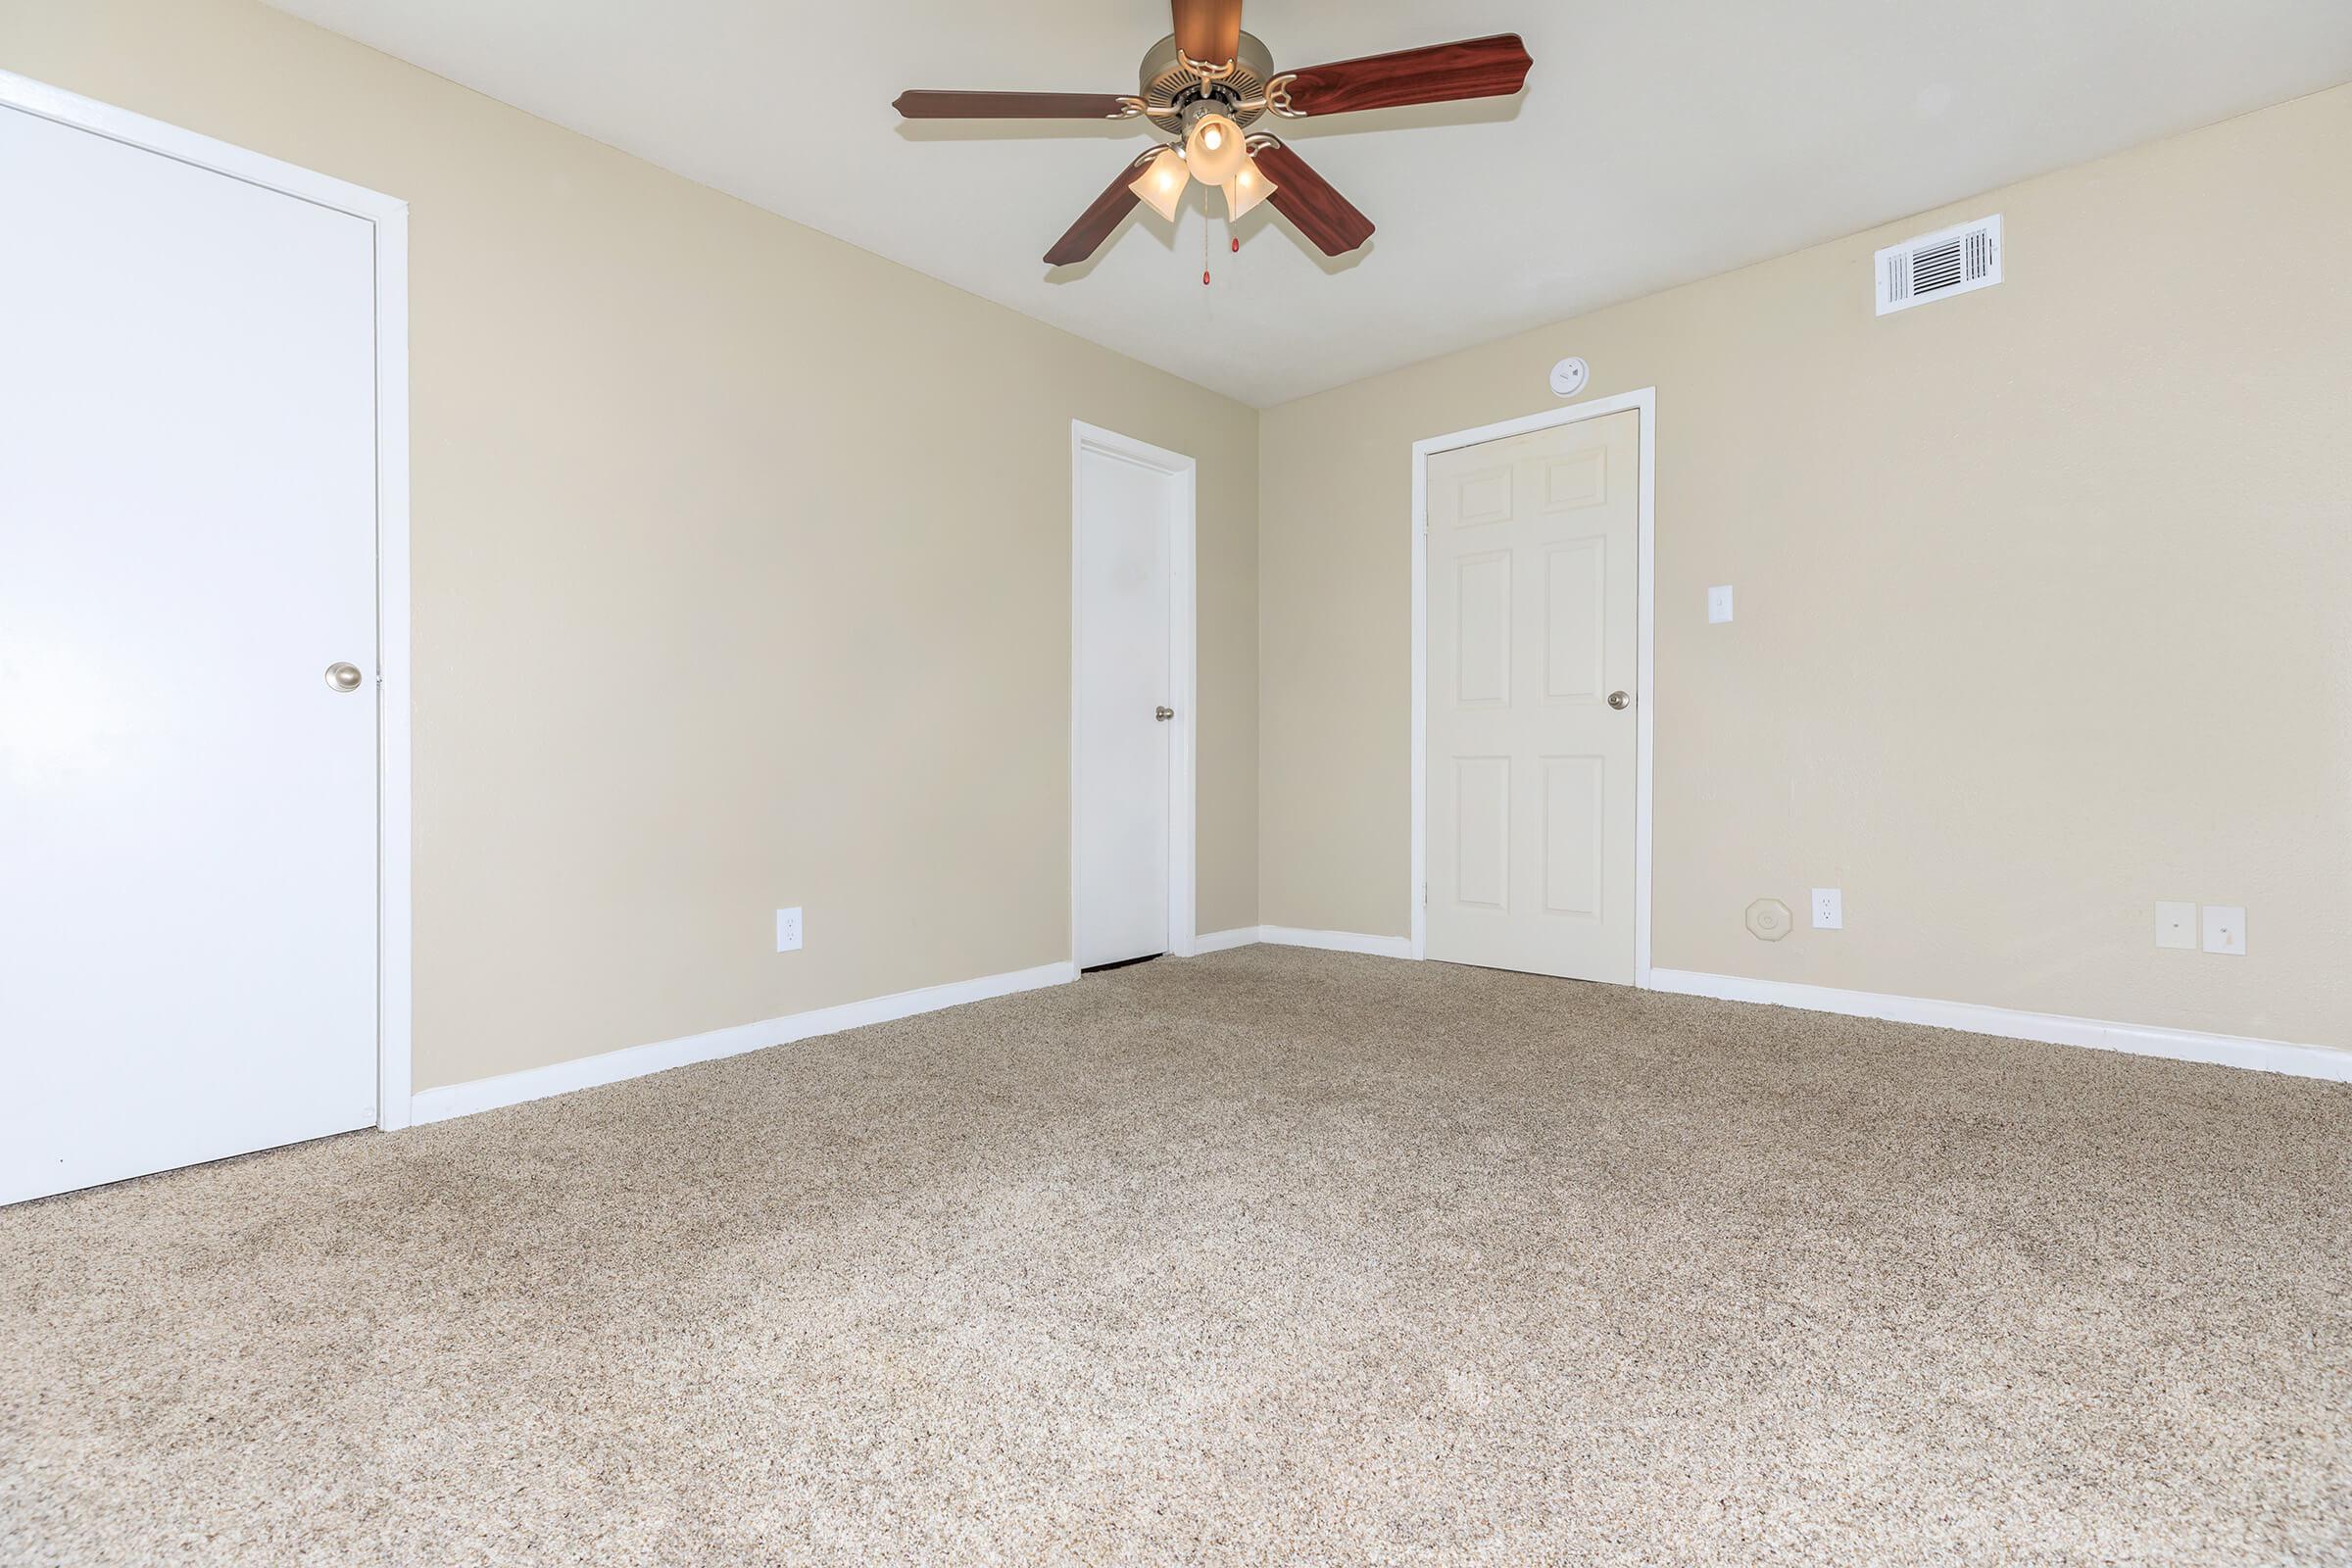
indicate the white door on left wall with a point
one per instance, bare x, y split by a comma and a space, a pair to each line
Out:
1126, 529
187, 547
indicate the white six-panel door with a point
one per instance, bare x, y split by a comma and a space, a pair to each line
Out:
1125, 524
1533, 574
187, 543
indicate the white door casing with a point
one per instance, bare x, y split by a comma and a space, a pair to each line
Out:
1533, 544
198, 955
1131, 774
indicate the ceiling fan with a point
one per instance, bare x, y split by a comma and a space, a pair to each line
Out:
1203, 86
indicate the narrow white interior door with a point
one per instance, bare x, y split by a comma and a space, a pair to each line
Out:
187, 543
1532, 582
1125, 533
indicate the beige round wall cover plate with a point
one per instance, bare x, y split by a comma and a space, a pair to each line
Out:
1768, 919
1568, 377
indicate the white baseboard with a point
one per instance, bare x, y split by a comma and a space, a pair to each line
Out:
616, 1066
2050, 1028
613, 1066
1286, 936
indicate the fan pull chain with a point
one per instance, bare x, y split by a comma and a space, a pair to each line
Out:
1207, 220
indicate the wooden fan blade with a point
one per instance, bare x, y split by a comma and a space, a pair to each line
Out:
920, 105
1093, 225
1476, 67
1208, 31
1307, 200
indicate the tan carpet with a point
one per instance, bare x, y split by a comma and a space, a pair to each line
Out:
1270, 1258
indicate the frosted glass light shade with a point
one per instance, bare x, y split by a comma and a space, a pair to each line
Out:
1162, 182
1215, 149
1247, 188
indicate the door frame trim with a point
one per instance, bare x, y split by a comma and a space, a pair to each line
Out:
1184, 672
1645, 401
389, 218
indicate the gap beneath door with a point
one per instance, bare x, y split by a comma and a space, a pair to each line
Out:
1123, 963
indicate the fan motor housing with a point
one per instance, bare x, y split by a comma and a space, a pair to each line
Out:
1167, 86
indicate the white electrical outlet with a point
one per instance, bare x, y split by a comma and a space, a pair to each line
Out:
2226, 929
1719, 604
1829, 909
2176, 925
788, 930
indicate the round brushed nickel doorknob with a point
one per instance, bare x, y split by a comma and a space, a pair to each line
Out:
1620, 700
344, 677
1163, 713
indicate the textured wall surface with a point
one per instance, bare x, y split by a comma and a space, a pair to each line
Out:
741, 565
2044, 598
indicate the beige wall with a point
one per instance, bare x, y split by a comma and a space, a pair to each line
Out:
741, 565
2044, 599
730, 593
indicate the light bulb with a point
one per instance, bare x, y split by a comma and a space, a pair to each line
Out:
1162, 182
1215, 149
1247, 188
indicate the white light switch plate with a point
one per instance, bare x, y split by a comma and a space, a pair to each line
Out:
1719, 604
1829, 909
2225, 929
2176, 925
788, 930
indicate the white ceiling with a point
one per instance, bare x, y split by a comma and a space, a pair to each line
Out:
1659, 140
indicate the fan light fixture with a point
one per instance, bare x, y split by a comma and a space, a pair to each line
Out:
1162, 183
1202, 88
1215, 149
1247, 188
